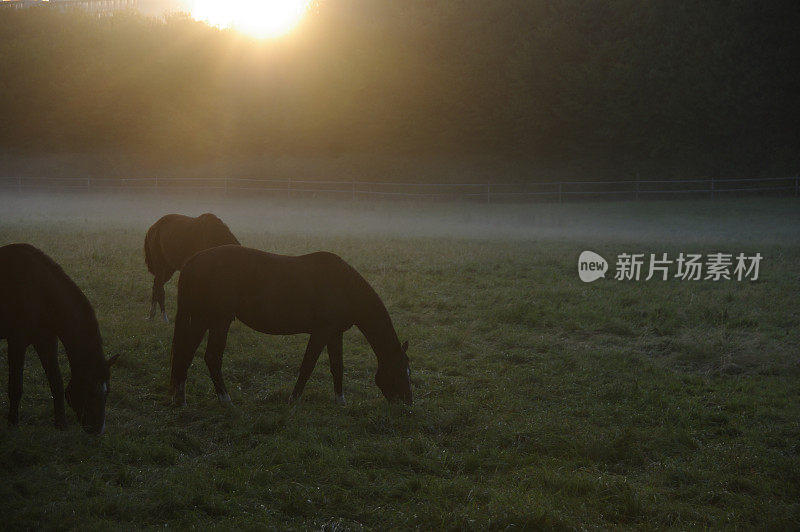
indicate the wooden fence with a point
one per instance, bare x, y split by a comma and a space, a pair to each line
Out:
553, 191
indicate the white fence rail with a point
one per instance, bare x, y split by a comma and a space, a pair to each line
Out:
556, 191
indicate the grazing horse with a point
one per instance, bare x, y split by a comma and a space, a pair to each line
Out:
40, 305
173, 239
317, 293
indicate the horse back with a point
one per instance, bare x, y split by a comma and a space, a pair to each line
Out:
174, 238
276, 294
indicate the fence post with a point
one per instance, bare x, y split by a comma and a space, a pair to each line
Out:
712, 188
559, 191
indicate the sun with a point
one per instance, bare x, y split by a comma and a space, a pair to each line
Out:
257, 18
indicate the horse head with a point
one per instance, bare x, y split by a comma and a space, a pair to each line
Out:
394, 377
86, 394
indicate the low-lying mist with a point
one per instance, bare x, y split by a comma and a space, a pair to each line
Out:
761, 220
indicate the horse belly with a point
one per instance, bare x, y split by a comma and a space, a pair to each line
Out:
274, 322
272, 311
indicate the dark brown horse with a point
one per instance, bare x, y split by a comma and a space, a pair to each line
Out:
318, 294
39, 306
173, 239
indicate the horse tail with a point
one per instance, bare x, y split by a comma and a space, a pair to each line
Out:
180, 338
152, 251
148, 259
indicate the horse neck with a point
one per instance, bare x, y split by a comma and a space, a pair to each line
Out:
375, 324
80, 335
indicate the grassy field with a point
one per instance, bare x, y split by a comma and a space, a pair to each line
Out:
540, 401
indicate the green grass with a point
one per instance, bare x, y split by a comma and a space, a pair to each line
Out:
540, 401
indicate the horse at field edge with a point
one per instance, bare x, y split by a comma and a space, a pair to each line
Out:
40, 306
172, 240
319, 294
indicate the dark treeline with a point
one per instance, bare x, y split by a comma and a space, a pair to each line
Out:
568, 87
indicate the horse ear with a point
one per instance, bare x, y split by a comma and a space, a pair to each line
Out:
110, 361
405, 346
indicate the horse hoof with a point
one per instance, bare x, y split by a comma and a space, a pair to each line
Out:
165, 318
293, 400
178, 402
340, 400
225, 399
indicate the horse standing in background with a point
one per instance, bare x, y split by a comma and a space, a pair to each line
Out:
317, 293
172, 240
40, 305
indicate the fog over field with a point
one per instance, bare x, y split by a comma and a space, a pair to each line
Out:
540, 402
759, 220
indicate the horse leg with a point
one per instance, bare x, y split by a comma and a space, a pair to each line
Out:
315, 345
217, 337
16, 361
337, 366
158, 296
47, 349
185, 341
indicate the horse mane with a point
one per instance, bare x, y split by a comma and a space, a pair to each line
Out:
374, 316
366, 291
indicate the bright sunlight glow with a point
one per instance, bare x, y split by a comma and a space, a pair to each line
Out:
257, 18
